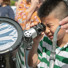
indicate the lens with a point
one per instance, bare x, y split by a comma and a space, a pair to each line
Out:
8, 35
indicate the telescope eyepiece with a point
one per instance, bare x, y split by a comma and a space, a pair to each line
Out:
40, 28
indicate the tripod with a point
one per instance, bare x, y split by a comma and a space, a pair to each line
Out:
2, 61
6, 61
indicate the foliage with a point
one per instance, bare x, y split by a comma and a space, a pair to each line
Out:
12, 3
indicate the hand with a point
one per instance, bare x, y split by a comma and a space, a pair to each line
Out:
64, 23
39, 37
35, 2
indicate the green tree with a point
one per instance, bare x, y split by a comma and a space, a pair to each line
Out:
12, 3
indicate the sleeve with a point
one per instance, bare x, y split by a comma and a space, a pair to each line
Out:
40, 50
11, 13
20, 60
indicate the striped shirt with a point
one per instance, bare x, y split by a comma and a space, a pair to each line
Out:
44, 51
20, 60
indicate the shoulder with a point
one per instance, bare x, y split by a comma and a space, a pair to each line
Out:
8, 7
1, 7
47, 40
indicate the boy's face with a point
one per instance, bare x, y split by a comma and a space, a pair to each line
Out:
51, 24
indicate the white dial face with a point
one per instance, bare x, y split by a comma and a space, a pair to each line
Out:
8, 36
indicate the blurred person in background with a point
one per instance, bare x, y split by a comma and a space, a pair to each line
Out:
1, 2
26, 13
6, 10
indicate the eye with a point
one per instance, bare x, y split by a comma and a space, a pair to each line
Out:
48, 25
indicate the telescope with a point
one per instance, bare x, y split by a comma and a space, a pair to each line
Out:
12, 36
10, 39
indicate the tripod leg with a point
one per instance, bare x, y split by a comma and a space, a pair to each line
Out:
2, 61
12, 61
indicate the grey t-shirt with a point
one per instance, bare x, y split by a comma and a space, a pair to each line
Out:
6, 12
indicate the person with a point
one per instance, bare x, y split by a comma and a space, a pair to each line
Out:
64, 23
26, 15
6, 10
51, 13
1, 2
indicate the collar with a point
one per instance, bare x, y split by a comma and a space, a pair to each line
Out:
58, 50
66, 45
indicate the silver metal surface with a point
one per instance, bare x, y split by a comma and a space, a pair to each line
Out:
31, 32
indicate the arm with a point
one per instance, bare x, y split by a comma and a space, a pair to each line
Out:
33, 56
23, 14
33, 60
32, 8
64, 23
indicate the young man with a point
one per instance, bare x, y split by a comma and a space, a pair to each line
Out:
51, 13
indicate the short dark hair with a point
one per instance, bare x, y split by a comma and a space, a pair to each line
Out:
7, 2
49, 6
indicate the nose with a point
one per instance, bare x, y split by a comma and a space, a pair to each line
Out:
47, 30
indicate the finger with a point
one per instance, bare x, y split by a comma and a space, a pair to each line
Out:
67, 30
64, 21
64, 26
32, 24
40, 36
42, 33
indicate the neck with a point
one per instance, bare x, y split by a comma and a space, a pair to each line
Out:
4, 5
63, 41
